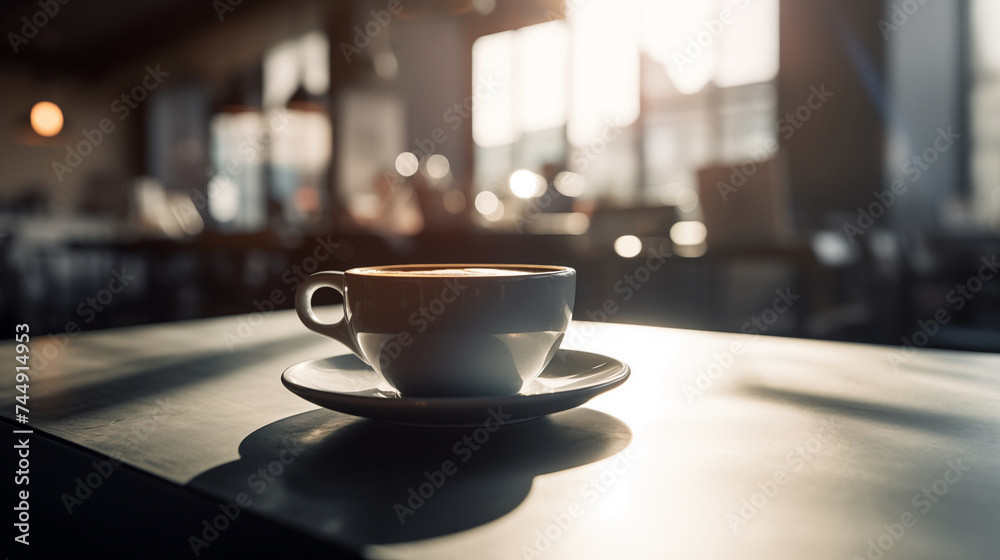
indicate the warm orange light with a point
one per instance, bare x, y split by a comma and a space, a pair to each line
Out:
46, 118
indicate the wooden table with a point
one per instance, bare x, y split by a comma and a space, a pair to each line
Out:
719, 446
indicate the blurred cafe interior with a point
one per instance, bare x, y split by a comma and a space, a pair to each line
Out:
688, 159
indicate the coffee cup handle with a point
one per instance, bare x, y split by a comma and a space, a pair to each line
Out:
338, 331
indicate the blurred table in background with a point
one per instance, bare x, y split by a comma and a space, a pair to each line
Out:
216, 275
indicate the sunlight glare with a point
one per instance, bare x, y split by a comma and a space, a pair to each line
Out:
604, 68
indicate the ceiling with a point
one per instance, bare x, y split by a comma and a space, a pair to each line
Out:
87, 38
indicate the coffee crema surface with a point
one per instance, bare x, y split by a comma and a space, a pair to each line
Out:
449, 272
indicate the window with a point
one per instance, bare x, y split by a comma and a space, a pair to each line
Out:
270, 149
570, 91
984, 111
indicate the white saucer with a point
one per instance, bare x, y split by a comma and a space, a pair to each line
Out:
348, 385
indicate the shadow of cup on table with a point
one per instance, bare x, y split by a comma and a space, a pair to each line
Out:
360, 481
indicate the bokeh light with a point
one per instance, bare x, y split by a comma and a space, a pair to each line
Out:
407, 164
688, 233
386, 65
484, 7
46, 118
486, 203
686, 200
497, 213
628, 246
438, 166
525, 184
223, 199
569, 183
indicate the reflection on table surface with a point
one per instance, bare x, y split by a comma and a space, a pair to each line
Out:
718, 446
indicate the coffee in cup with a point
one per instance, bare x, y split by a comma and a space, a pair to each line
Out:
449, 330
